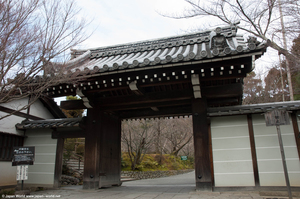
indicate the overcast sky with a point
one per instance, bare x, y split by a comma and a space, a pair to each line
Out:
124, 21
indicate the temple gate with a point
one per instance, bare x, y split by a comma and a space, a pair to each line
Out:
175, 76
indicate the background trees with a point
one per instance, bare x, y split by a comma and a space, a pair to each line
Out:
33, 33
275, 22
159, 136
274, 87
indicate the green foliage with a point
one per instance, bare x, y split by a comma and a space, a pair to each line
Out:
80, 149
73, 113
152, 162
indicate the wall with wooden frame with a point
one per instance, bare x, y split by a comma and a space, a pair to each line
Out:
232, 159
41, 174
239, 161
268, 153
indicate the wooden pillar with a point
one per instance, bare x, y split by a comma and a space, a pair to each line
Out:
110, 152
253, 150
58, 162
201, 145
296, 131
102, 160
92, 149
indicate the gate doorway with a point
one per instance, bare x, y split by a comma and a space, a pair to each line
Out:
169, 77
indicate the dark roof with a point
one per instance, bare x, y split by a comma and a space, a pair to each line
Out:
51, 105
202, 46
49, 123
253, 108
211, 112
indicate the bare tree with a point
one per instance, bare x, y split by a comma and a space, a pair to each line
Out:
137, 138
260, 18
33, 35
179, 134
270, 20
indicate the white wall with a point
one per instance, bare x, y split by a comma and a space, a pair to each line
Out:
232, 154
41, 139
42, 172
8, 174
231, 151
268, 153
7, 125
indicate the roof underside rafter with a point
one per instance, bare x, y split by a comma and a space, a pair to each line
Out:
157, 78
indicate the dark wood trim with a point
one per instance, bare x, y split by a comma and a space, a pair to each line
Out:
58, 162
296, 131
163, 112
18, 113
68, 134
201, 145
253, 150
211, 155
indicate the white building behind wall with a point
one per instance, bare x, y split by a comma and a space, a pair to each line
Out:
42, 172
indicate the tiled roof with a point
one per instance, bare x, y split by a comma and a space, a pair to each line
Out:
253, 108
49, 123
217, 43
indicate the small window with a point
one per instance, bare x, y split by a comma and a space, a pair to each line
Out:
7, 142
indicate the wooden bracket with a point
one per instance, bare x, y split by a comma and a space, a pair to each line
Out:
196, 85
133, 87
85, 100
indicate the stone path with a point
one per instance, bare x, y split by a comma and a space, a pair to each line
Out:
174, 187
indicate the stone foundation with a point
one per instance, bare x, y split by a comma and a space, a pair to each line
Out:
153, 174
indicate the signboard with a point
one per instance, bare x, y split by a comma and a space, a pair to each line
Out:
277, 117
22, 172
184, 157
23, 156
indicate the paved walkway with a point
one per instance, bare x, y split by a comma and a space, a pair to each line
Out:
174, 187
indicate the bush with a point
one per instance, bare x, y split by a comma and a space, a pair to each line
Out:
153, 162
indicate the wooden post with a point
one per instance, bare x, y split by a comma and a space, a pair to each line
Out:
253, 151
92, 149
296, 131
58, 162
102, 160
286, 174
110, 152
201, 145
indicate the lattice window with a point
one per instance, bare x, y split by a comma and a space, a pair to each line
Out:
7, 142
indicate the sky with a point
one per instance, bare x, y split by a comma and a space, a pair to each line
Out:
124, 21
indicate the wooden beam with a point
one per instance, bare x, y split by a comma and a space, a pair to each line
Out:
223, 91
253, 150
58, 162
201, 145
296, 131
162, 112
131, 100
68, 134
20, 114
230, 90
145, 105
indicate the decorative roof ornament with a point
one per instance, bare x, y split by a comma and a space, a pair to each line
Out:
220, 42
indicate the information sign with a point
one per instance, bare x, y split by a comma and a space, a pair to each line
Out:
184, 157
23, 156
22, 172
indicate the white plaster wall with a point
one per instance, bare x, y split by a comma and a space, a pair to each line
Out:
8, 124
231, 151
8, 174
42, 172
39, 110
268, 153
